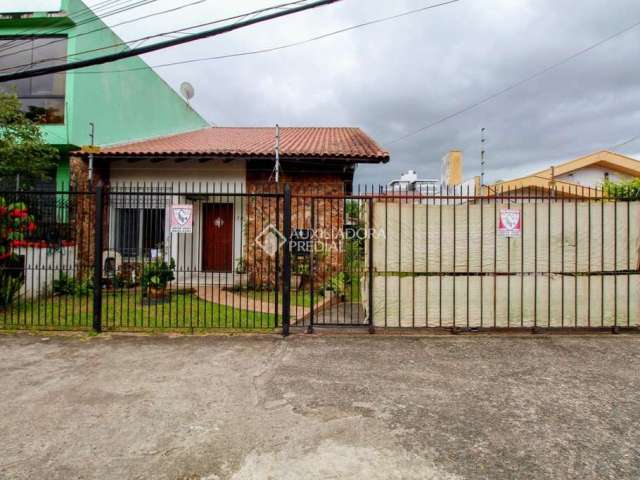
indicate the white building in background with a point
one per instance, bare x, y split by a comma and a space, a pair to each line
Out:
409, 182
449, 184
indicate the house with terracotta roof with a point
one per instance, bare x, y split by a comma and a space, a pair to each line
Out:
582, 177
214, 170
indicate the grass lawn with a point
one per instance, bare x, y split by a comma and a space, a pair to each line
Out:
124, 310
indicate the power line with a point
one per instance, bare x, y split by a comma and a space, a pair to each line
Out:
90, 17
279, 47
514, 85
163, 34
162, 45
106, 27
81, 17
627, 142
77, 15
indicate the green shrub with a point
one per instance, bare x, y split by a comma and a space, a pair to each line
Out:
625, 190
158, 273
337, 285
67, 285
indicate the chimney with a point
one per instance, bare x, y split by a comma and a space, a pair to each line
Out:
452, 168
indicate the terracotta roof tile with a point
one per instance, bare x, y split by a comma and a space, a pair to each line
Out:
346, 143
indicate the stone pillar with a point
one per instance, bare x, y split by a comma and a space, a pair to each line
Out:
83, 217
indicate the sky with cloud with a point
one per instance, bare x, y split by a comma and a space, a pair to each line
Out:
398, 76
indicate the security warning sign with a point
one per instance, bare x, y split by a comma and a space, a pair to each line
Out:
181, 218
510, 224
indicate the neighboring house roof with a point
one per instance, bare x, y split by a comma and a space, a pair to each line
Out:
548, 178
295, 142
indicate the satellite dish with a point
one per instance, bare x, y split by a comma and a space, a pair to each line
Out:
187, 90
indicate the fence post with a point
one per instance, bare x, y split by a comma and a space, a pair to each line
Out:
312, 266
97, 268
286, 263
370, 265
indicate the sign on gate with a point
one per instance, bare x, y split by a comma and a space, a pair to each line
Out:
182, 218
510, 223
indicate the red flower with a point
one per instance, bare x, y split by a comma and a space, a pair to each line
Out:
31, 227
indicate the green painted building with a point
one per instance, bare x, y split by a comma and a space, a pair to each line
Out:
125, 100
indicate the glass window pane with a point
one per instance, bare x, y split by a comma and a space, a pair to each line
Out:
152, 229
50, 50
15, 51
48, 85
48, 90
20, 88
44, 110
127, 231
43, 49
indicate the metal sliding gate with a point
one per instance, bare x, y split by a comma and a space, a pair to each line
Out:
191, 257
329, 265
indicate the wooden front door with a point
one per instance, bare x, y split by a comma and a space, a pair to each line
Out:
217, 237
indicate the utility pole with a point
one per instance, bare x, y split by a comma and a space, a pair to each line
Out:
277, 168
92, 132
482, 153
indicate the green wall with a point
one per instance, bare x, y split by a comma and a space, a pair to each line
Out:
125, 106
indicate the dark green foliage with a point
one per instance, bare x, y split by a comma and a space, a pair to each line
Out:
23, 150
158, 273
11, 280
629, 190
67, 285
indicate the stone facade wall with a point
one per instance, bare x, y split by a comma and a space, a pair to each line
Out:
86, 213
326, 191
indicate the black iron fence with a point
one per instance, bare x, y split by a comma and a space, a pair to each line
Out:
190, 257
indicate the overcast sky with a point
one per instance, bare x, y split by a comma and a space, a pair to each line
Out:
398, 76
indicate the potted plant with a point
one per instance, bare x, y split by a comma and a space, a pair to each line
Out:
156, 276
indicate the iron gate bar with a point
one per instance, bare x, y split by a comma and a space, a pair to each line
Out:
97, 274
615, 264
312, 266
286, 264
370, 258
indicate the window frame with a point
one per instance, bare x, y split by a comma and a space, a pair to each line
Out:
62, 97
141, 251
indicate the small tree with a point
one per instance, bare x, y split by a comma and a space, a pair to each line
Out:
23, 150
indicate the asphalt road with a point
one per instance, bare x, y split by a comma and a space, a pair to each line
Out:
320, 407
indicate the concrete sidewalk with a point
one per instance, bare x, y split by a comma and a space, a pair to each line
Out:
320, 407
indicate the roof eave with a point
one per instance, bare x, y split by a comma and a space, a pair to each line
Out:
381, 158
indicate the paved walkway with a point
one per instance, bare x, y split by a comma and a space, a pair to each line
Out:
222, 296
